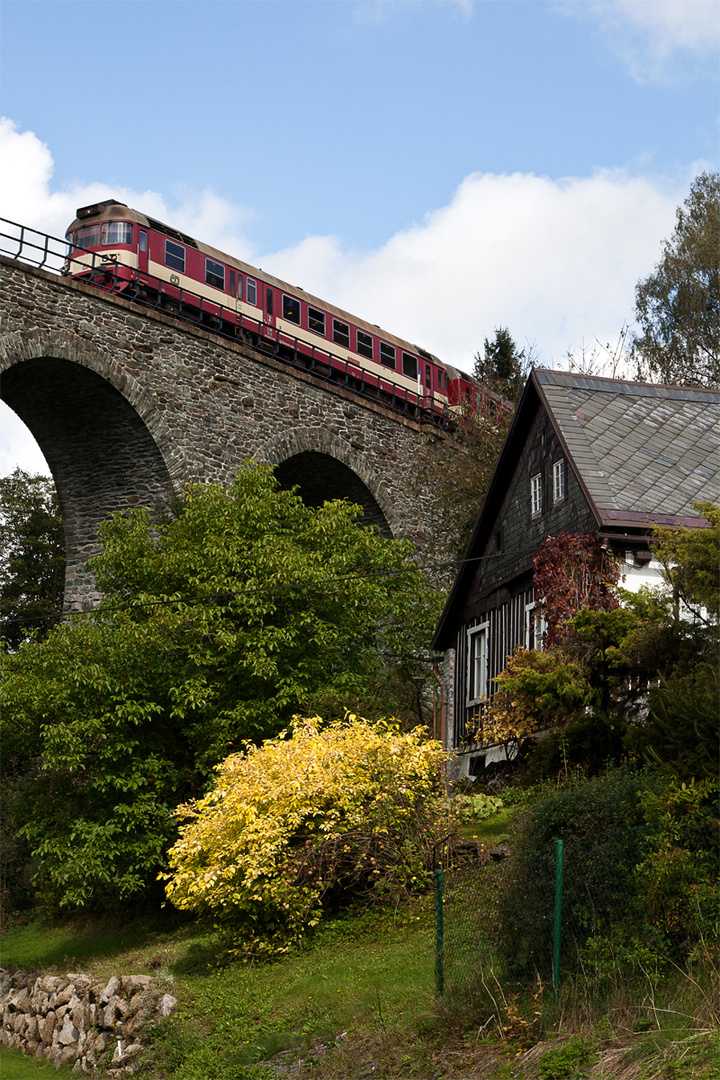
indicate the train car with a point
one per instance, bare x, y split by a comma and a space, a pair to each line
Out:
120, 249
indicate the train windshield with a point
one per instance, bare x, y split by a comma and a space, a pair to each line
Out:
107, 233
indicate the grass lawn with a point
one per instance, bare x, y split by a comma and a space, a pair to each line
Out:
363, 975
357, 1003
490, 831
17, 1066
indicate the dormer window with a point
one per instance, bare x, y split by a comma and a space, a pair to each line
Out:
559, 481
536, 494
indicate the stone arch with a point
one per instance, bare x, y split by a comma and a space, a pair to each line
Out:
105, 441
325, 466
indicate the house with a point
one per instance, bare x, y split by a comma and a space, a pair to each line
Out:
583, 454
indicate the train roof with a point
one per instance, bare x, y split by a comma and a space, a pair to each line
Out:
112, 209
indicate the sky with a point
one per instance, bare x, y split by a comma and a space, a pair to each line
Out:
439, 168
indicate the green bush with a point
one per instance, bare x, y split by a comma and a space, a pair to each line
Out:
677, 880
601, 823
640, 872
566, 1062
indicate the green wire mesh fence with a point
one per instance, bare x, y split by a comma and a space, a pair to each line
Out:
632, 896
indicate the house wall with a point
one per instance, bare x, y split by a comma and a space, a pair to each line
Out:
502, 592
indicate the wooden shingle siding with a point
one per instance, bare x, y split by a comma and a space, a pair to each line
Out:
502, 585
506, 630
521, 535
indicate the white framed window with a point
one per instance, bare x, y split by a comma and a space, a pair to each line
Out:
214, 274
251, 292
291, 309
536, 494
477, 663
410, 367
535, 626
316, 321
387, 355
175, 256
364, 344
559, 480
341, 333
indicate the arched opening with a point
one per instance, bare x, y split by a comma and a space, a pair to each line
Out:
99, 451
321, 477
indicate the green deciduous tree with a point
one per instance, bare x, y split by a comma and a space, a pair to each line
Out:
458, 470
691, 566
215, 628
678, 305
32, 557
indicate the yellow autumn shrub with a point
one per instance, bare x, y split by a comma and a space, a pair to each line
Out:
306, 822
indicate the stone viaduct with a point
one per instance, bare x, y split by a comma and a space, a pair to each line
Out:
128, 404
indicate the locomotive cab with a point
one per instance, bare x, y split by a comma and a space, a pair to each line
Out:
101, 245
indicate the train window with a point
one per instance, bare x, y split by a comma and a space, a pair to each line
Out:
143, 240
240, 287
251, 291
291, 309
440, 380
364, 344
174, 255
269, 301
232, 282
117, 232
387, 355
341, 333
88, 237
409, 366
428, 377
316, 321
214, 274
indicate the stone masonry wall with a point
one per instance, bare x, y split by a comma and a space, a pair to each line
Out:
76, 1020
127, 404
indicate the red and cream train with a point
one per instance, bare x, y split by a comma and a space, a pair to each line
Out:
122, 250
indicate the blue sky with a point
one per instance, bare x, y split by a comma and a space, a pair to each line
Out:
439, 168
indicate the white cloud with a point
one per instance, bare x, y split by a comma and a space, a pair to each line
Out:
556, 261
654, 38
26, 197
17, 446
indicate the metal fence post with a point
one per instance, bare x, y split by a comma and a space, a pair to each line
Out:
439, 972
558, 916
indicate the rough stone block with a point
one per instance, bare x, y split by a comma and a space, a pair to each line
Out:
110, 990
166, 1004
64, 994
48, 1028
110, 1014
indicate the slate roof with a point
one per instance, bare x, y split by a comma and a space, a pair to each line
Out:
642, 452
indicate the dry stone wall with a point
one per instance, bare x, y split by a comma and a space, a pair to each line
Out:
76, 1020
128, 404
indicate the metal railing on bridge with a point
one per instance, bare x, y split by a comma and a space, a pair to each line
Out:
110, 274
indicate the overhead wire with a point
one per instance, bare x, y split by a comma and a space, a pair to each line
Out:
228, 594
